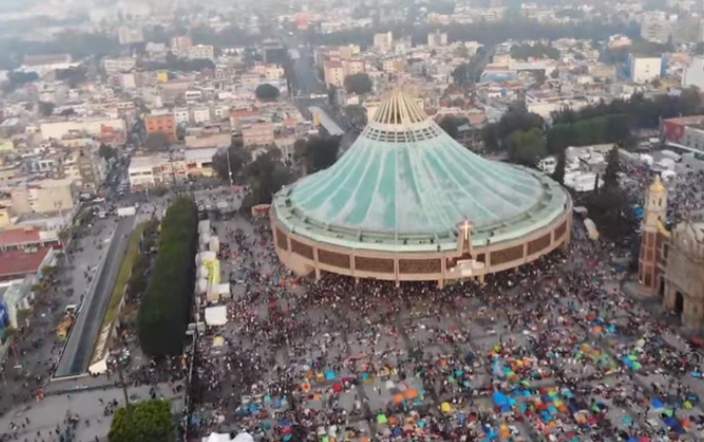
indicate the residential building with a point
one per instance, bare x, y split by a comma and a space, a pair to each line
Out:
644, 69
208, 136
128, 35
437, 39
258, 134
43, 196
384, 42
655, 27
18, 264
181, 45
182, 115
91, 168
202, 52
114, 65
26, 239
96, 127
334, 74
693, 74
201, 115
163, 122
199, 162
44, 63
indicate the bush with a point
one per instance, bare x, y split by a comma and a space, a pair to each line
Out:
165, 309
359, 84
148, 421
267, 92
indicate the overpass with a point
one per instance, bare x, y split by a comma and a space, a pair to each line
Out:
321, 118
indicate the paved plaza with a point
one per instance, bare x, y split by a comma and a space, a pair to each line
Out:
554, 351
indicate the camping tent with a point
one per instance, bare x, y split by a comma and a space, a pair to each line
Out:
224, 437
216, 315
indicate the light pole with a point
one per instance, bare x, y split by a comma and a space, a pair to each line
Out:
229, 168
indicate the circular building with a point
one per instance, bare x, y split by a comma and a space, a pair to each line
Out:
406, 202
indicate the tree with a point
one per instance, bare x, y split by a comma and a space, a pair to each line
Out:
266, 176
239, 158
359, 84
559, 174
147, 421
517, 118
613, 167
16, 79
165, 309
72, 76
156, 141
538, 50
612, 213
357, 115
451, 125
320, 153
460, 75
46, 108
106, 152
266, 92
527, 147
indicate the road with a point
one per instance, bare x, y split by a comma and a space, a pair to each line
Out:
79, 349
49, 414
307, 81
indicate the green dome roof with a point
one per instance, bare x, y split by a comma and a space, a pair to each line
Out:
404, 181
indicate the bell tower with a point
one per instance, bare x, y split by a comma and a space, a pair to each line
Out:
653, 237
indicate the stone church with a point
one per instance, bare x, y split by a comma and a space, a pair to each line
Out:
671, 261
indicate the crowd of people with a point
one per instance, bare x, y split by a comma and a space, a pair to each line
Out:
554, 350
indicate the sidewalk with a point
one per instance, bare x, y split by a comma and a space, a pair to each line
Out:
49, 414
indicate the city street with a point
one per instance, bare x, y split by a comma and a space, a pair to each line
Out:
32, 361
40, 420
79, 348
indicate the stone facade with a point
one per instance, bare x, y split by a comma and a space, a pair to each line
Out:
305, 256
671, 263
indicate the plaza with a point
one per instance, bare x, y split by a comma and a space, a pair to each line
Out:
337, 359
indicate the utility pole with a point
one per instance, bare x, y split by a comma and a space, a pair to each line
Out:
122, 382
229, 169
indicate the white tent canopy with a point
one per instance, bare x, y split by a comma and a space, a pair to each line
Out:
216, 315
224, 437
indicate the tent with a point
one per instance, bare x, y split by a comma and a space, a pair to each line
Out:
216, 315
224, 437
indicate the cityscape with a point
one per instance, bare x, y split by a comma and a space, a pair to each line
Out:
371, 221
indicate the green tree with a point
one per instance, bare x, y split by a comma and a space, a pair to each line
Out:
267, 92
46, 108
359, 84
106, 152
613, 167
527, 147
559, 174
320, 152
166, 305
266, 176
156, 141
612, 213
460, 75
451, 125
147, 421
356, 114
517, 118
538, 50
239, 158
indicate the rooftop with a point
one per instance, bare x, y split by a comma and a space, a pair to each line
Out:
13, 237
406, 184
17, 263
